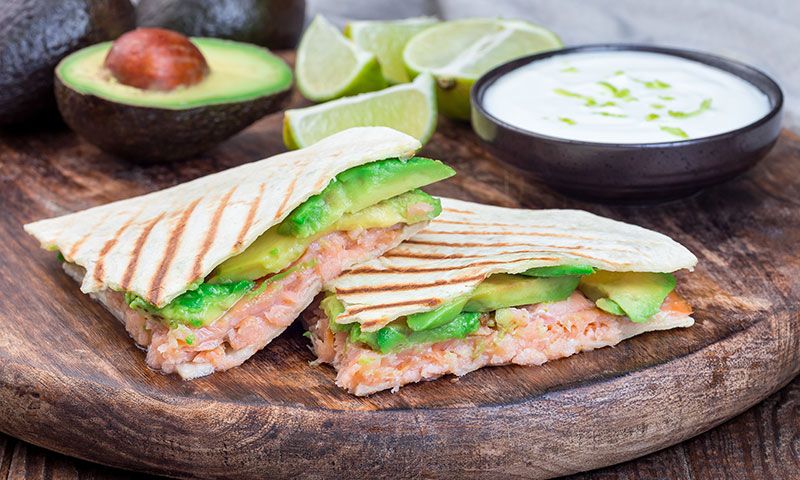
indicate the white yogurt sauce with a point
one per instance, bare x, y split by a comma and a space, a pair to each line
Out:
624, 97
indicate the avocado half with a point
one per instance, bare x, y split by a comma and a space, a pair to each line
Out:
245, 83
36, 34
270, 23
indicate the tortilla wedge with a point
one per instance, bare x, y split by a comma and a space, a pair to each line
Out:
456, 253
151, 249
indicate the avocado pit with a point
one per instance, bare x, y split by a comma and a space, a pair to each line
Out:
156, 59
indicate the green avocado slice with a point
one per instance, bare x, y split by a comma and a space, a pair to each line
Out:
395, 337
436, 318
559, 271
358, 188
638, 295
609, 306
504, 290
272, 251
198, 307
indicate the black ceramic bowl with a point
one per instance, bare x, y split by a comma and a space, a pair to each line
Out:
632, 172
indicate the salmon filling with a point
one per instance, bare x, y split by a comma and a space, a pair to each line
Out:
529, 335
253, 321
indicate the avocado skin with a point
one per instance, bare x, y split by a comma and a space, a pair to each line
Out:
155, 135
270, 23
36, 34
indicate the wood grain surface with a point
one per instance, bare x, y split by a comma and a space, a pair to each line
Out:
761, 444
72, 381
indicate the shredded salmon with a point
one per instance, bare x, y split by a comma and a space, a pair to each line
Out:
530, 335
254, 321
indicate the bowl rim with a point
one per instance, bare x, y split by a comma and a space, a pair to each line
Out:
740, 69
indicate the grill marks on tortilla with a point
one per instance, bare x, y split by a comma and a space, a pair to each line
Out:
211, 233
367, 270
456, 210
427, 302
99, 269
407, 286
173, 246
251, 215
506, 233
571, 250
484, 240
286, 198
133, 261
265, 189
77, 245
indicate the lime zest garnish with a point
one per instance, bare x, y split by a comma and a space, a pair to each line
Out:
609, 114
657, 106
623, 93
674, 131
618, 73
590, 102
667, 98
704, 105
653, 84
652, 116
608, 104
569, 70
566, 120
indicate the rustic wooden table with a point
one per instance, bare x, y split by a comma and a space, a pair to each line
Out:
761, 443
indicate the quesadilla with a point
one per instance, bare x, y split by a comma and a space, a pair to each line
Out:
206, 273
484, 285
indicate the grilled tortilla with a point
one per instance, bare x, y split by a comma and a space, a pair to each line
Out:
594, 276
149, 258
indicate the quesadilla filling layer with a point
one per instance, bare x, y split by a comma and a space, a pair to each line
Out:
252, 297
529, 318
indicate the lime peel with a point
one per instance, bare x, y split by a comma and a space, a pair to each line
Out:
409, 108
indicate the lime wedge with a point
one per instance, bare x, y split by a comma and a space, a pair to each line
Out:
456, 53
331, 66
386, 39
408, 107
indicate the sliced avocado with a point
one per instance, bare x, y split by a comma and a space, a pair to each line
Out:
436, 318
36, 35
369, 338
396, 336
198, 307
638, 294
359, 188
461, 326
609, 306
503, 290
559, 271
392, 337
244, 83
271, 23
272, 251
333, 308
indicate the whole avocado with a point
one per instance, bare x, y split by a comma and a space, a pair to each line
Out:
269, 23
36, 34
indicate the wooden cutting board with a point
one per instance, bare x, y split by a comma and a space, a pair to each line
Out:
72, 381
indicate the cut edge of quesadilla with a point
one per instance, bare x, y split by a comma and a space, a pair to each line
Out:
247, 299
508, 287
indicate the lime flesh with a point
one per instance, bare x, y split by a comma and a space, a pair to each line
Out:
409, 108
458, 52
386, 39
331, 66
